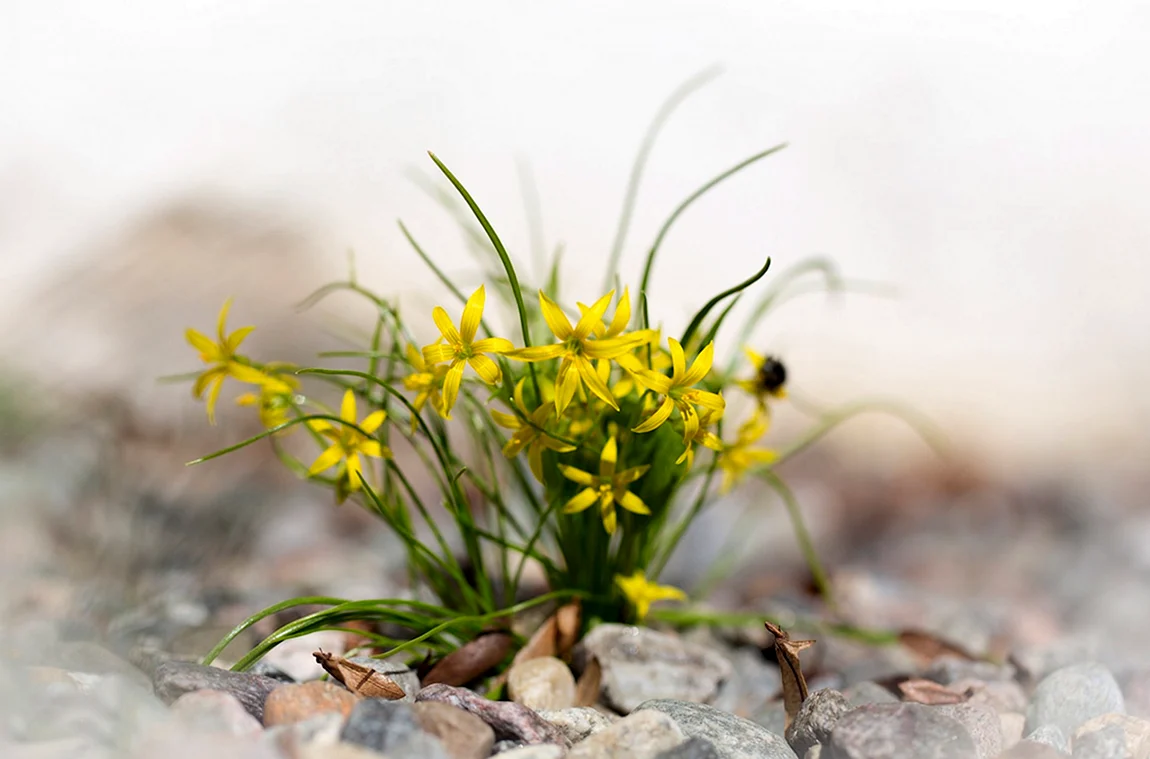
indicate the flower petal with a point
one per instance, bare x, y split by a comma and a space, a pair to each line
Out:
510, 421
414, 357
487, 369
655, 381
446, 328
608, 510
629, 475
370, 448
492, 345
557, 321
326, 460
592, 317
535, 461
566, 384
451, 383
594, 382
236, 338
209, 351
580, 501
347, 407
213, 396
472, 315
622, 315
713, 402
437, 353
656, 419
631, 502
538, 352
578, 476
690, 421
222, 321
245, 373
756, 359
372, 421
354, 469
699, 367
608, 458
678, 361
614, 347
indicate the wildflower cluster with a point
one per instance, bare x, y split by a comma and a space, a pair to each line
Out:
585, 456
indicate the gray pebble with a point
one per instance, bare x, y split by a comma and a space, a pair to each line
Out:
869, 692
692, 748
948, 670
1073, 695
510, 721
983, 724
173, 679
1050, 735
215, 711
578, 722
816, 719
733, 737
538, 751
390, 727
1105, 743
641, 735
899, 731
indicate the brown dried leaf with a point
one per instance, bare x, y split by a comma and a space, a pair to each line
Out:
931, 693
929, 646
359, 679
794, 684
470, 660
555, 637
590, 683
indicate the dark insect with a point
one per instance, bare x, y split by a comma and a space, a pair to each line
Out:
772, 375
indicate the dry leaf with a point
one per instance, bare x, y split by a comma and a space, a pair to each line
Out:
931, 693
359, 679
929, 646
794, 684
470, 660
555, 637
590, 683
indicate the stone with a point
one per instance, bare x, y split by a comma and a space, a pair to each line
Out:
214, 711
948, 670
391, 728
338, 751
1037, 662
510, 721
321, 730
733, 737
541, 683
1071, 696
173, 679
899, 731
869, 692
1013, 724
983, 724
400, 674
692, 748
1135, 733
642, 735
752, 684
772, 716
1025, 749
300, 701
502, 747
1000, 695
578, 722
640, 664
816, 719
463, 735
1050, 735
538, 751
1107, 742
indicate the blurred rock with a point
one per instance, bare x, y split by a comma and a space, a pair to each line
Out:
174, 679
731, 736
1071, 696
642, 735
297, 702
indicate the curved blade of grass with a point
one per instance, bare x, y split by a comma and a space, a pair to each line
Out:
916, 420
802, 535
279, 427
706, 309
683, 207
713, 332
689, 616
263, 614
662, 116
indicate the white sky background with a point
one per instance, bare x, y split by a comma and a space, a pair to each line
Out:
991, 160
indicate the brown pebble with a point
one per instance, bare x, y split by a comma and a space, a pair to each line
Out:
464, 735
294, 703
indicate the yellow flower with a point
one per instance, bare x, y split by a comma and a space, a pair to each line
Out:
348, 443
426, 383
222, 354
275, 399
736, 458
531, 434
462, 349
704, 436
678, 393
769, 380
608, 487
642, 593
577, 348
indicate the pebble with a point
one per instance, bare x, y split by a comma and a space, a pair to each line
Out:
886, 731
642, 735
578, 722
320, 730
733, 737
541, 683
816, 719
1036, 662
338, 751
692, 748
868, 692
1013, 724
298, 702
1136, 692
640, 664
214, 711
1134, 731
983, 724
1069, 697
1050, 735
753, 683
173, 679
463, 735
509, 720
400, 674
1000, 695
391, 728
948, 670
772, 716
1107, 742
1032, 750
539, 751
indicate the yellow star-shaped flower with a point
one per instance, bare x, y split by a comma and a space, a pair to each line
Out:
642, 593
608, 487
221, 353
348, 443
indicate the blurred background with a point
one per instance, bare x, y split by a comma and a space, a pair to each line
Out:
985, 161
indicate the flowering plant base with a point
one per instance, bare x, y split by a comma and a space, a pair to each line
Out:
584, 441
